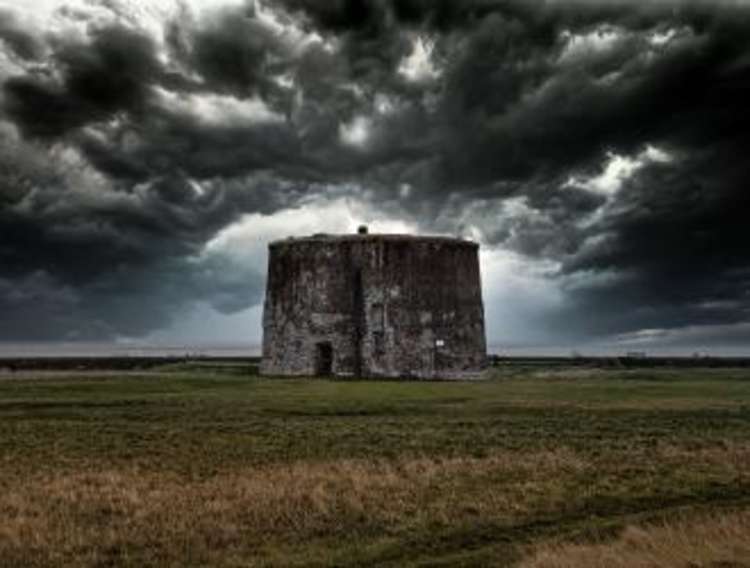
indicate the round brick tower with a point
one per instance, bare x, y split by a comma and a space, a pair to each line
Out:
365, 305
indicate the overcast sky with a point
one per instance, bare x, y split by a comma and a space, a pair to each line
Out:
150, 149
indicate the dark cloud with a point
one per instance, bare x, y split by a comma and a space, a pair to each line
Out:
108, 75
677, 238
104, 260
341, 16
237, 52
19, 41
136, 149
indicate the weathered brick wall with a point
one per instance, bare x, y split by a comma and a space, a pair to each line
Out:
388, 305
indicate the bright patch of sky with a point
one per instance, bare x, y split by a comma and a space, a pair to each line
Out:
43, 10
598, 40
716, 339
617, 170
516, 292
219, 109
661, 38
240, 328
76, 16
149, 16
356, 132
285, 81
9, 65
503, 219
419, 66
246, 240
384, 104
287, 29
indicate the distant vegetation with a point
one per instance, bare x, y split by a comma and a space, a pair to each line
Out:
203, 463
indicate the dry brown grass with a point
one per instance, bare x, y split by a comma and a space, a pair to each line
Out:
254, 515
96, 518
709, 541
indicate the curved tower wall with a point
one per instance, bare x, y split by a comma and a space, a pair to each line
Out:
374, 306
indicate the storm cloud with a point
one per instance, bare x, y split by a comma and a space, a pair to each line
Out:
600, 146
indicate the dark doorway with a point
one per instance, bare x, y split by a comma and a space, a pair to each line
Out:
323, 359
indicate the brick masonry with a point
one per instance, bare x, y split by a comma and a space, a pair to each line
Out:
374, 306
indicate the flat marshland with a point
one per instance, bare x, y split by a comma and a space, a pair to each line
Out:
209, 465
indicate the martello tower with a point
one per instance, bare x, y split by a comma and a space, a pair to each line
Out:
366, 305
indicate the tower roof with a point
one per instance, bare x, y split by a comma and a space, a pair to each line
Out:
374, 237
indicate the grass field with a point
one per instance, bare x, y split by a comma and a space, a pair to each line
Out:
212, 466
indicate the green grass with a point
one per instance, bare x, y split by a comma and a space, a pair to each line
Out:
377, 473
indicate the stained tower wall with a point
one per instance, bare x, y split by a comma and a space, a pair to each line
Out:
386, 305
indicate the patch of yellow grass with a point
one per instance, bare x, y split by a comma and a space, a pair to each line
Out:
715, 540
160, 518
254, 515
